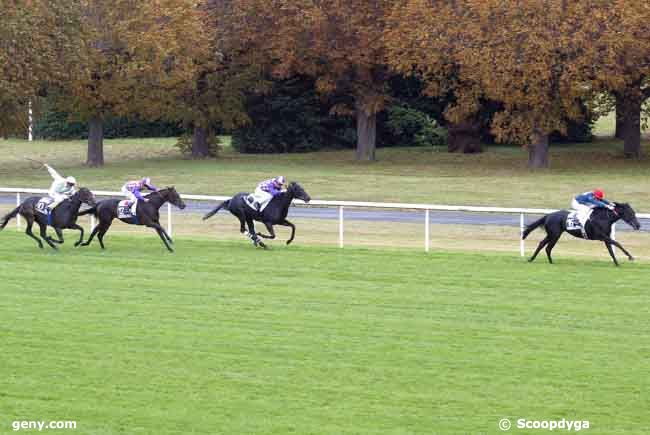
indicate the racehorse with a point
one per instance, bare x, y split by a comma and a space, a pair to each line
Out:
147, 214
275, 213
598, 227
64, 216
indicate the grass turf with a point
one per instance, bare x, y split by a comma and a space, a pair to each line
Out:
222, 338
423, 175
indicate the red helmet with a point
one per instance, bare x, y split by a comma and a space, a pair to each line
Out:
599, 194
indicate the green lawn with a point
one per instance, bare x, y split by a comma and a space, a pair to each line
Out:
425, 175
222, 338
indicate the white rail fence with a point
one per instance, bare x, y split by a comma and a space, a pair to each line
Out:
341, 205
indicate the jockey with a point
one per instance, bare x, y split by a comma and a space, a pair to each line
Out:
585, 202
132, 191
267, 190
61, 188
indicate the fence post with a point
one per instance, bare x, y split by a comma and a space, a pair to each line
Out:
522, 226
340, 226
613, 236
92, 221
426, 230
169, 219
18, 205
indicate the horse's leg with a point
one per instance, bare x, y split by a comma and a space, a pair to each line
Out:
45, 237
169, 239
551, 245
59, 234
252, 234
611, 252
81, 236
28, 231
618, 245
539, 248
161, 233
269, 228
103, 228
92, 235
286, 223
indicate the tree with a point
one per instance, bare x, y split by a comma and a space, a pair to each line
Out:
38, 41
136, 54
337, 42
524, 54
622, 58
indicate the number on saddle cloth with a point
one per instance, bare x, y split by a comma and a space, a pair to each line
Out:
572, 221
124, 209
256, 203
42, 205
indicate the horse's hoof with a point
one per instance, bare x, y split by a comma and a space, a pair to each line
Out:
289, 242
632, 258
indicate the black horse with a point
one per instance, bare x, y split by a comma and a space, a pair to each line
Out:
598, 227
64, 216
147, 214
275, 212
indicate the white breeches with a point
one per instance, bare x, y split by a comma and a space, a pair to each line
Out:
131, 198
261, 196
584, 211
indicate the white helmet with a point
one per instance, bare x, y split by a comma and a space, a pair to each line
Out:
280, 180
71, 180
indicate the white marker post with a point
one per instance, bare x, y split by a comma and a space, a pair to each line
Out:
30, 127
522, 228
426, 230
169, 219
18, 205
340, 226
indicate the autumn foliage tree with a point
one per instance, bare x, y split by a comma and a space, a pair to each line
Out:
337, 42
136, 54
539, 59
620, 60
39, 42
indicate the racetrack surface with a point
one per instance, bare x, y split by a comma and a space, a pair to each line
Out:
221, 338
374, 215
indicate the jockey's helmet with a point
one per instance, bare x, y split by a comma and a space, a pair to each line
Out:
71, 181
280, 180
599, 194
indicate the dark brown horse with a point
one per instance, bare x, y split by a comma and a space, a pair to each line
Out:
64, 216
147, 214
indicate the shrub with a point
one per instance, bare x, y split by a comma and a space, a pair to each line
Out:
184, 144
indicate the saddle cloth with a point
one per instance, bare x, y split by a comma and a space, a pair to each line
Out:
251, 200
576, 220
124, 209
42, 204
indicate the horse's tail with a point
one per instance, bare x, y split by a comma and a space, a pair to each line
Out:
91, 210
8, 217
224, 204
530, 228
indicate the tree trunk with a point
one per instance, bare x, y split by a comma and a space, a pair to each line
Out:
538, 151
200, 148
464, 137
620, 117
95, 142
632, 127
366, 134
